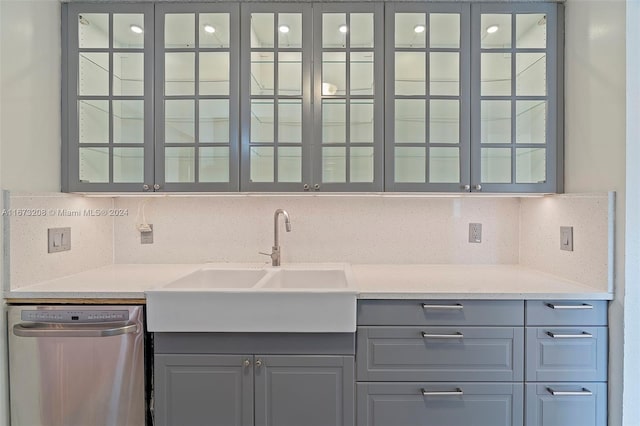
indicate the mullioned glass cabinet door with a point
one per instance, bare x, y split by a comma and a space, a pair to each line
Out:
107, 90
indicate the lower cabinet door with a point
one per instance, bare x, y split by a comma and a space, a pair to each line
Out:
440, 404
566, 404
203, 390
300, 390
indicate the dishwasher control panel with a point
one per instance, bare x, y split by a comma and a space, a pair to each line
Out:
76, 316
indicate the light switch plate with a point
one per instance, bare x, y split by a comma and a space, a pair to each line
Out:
147, 237
566, 238
59, 239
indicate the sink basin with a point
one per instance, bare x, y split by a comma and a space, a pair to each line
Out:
300, 298
218, 278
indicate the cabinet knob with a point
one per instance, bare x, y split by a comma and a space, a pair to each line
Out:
316, 187
146, 187
305, 186
246, 363
156, 187
477, 187
466, 187
259, 363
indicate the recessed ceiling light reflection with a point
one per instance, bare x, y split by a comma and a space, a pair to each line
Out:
492, 29
284, 29
419, 28
343, 29
209, 28
136, 29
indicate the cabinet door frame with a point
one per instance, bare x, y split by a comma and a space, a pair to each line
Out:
70, 144
161, 9
554, 132
464, 96
377, 9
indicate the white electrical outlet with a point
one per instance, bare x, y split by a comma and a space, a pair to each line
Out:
475, 232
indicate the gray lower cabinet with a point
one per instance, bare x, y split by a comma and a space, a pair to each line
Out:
247, 390
566, 404
439, 404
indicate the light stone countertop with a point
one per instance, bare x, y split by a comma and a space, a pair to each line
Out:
129, 281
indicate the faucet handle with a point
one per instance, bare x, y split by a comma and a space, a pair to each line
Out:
265, 254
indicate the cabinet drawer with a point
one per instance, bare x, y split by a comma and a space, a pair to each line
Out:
441, 404
440, 312
566, 354
440, 353
566, 312
575, 404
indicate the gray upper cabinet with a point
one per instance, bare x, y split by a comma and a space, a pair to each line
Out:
332, 97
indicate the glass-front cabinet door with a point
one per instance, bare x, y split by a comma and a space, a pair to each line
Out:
107, 97
197, 95
515, 100
348, 97
276, 100
427, 104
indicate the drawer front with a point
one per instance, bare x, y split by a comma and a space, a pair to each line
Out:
566, 312
441, 312
562, 404
566, 354
441, 404
440, 354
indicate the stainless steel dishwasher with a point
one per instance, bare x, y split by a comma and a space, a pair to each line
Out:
76, 365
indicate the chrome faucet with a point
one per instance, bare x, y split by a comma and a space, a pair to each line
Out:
275, 250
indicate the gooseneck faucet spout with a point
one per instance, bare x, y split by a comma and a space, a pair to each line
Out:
275, 250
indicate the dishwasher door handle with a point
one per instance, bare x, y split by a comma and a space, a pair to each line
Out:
46, 330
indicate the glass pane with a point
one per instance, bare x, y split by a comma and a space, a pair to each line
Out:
179, 30
361, 118
93, 121
531, 72
213, 164
179, 165
94, 165
93, 30
261, 120
128, 165
411, 30
496, 31
495, 122
290, 30
94, 74
495, 74
410, 165
361, 30
289, 164
261, 164
444, 165
262, 73
128, 121
334, 73
444, 121
361, 73
410, 121
531, 30
444, 30
334, 30
214, 73
531, 165
531, 121
262, 29
214, 32
410, 78
334, 117
179, 122
179, 73
290, 73
290, 121
334, 165
361, 164
495, 165
214, 120
128, 30
444, 73
128, 74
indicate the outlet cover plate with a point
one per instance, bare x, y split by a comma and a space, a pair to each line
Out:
566, 238
475, 232
59, 239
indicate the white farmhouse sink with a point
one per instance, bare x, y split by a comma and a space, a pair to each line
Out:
298, 298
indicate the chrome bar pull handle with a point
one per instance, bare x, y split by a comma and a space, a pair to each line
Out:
456, 335
583, 392
569, 307
39, 330
457, 307
456, 392
583, 335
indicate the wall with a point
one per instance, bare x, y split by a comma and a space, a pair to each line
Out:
4, 374
595, 142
